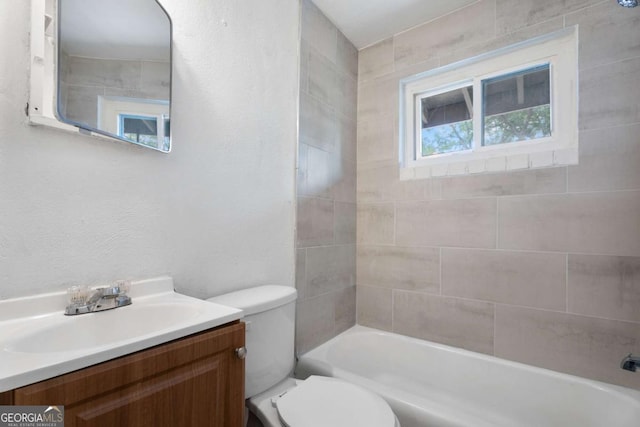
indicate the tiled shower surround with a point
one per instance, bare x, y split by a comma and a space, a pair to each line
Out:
326, 183
87, 78
538, 266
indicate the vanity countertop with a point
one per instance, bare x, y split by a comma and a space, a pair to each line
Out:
38, 342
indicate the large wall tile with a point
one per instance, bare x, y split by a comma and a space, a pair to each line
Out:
375, 223
323, 78
605, 286
376, 140
347, 57
104, 72
345, 95
82, 104
531, 279
378, 99
485, 46
318, 174
318, 31
302, 169
348, 137
471, 24
579, 345
609, 160
155, 78
345, 309
459, 223
451, 321
513, 15
607, 34
330, 268
609, 95
301, 273
380, 181
343, 179
600, 223
375, 60
315, 321
318, 126
135, 93
374, 307
315, 221
399, 268
345, 223
549, 180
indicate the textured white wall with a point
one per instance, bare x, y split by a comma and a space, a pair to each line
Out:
217, 213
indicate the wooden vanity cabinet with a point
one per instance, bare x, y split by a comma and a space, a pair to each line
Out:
194, 381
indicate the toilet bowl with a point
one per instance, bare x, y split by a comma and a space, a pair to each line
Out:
276, 398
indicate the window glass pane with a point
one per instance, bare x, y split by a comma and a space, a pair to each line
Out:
446, 121
140, 129
517, 106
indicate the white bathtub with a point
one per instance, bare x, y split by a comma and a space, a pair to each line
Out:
434, 385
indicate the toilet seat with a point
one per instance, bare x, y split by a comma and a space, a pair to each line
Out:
324, 401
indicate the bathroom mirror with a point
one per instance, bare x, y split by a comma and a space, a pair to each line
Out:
114, 69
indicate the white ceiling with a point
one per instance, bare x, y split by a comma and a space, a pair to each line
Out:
365, 22
98, 28
117, 29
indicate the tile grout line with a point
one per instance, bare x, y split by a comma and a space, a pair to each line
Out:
566, 284
495, 315
395, 223
393, 296
495, 21
440, 267
497, 222
516, 306
486, 249
304, 279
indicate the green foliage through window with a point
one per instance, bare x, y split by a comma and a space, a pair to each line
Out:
447, 138
520, 125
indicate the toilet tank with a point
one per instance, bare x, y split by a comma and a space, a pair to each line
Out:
269, 314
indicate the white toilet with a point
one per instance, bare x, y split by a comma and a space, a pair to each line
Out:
279, 400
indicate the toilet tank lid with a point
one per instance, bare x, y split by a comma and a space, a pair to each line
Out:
258, 299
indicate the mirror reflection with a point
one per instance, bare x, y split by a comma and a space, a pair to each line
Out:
114, 69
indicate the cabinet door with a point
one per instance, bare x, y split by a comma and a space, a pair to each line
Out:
194, 381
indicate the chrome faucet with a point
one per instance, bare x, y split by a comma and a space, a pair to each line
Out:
99, 300
630, 363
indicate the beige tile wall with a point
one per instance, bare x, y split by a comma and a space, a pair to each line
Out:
326, 182
84, 79
539, 266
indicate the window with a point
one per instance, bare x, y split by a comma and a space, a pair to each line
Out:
152, 131
143, 121
510, 109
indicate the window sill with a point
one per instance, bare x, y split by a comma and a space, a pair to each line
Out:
460, 164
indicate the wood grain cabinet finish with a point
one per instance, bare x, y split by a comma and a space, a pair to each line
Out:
195, 381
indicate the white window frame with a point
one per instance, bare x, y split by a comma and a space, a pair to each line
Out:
558, 49
111, 107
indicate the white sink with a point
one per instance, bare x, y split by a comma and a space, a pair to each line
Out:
37, 341
69, 333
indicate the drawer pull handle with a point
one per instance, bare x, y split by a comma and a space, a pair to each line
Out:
241, 352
